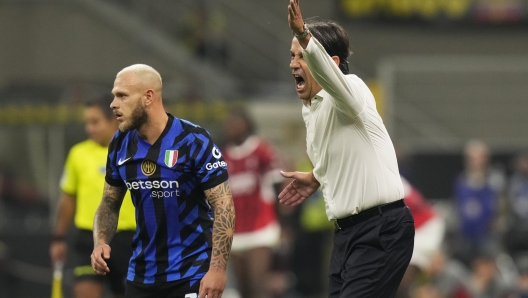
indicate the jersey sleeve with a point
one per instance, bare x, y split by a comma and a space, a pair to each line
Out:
348, 95
69, 179
211, 168
112, 174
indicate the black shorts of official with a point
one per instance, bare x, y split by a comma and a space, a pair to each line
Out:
118, 263
173, 289
369, 259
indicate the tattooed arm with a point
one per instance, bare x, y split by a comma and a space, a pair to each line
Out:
219, 197
105, 225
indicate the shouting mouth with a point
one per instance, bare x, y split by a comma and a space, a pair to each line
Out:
299, 83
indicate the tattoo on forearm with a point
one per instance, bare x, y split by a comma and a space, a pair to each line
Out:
105, 222
220, 199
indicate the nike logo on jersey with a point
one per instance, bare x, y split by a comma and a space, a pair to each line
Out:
122, 161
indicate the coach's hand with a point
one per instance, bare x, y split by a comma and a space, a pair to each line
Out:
303, 186
213, 283
99, 255
295, 18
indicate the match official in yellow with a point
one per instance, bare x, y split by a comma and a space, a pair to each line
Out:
81, 185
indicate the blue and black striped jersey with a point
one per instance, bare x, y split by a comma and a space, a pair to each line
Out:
167, 182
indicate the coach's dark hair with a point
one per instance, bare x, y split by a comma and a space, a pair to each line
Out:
333, 38
103, 102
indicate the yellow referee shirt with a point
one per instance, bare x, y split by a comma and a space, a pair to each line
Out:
84, 176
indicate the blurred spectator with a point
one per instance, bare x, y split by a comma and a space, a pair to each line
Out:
445, 278
477, 192
485, 280
254, 179
516, 240
429, 227
521, 290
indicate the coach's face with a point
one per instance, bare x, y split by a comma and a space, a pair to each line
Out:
128, 102
305, 84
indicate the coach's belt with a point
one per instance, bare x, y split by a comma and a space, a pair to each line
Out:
367, 214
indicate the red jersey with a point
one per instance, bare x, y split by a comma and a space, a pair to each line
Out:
421, 210
253, 170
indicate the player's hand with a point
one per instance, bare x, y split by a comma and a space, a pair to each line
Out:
99, 255
213, 283
303, 186
295, 18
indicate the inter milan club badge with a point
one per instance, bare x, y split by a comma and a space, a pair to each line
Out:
171, 157
148, 167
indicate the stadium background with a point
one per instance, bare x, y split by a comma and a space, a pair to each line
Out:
443, 72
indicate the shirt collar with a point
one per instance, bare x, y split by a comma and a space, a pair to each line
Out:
318, 98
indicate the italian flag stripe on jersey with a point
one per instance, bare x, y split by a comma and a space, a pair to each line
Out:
171, 156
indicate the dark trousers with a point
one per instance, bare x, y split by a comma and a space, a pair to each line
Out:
369, 259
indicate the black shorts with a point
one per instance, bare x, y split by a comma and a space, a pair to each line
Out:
174, 289
118, 263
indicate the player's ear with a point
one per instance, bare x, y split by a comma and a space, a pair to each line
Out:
336, 60
149, 96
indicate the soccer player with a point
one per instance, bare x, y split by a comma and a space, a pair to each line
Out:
255, 182
178, 181
81, 182
354, 165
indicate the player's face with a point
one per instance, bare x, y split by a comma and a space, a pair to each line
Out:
236, 129
128, 103
99, 128
305, 84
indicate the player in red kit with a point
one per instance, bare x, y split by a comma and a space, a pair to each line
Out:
253, 177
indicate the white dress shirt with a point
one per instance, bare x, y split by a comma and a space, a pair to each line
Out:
353, 156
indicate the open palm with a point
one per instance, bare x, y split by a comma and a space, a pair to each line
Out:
302, 187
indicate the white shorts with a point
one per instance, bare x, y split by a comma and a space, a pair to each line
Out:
427, 241
268, 236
